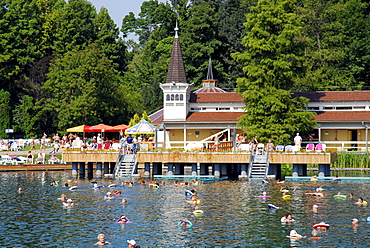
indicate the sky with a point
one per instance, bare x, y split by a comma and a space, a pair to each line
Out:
119, 8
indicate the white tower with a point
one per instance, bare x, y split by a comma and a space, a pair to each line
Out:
176, 90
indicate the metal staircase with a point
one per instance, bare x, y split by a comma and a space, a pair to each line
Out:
258, 165
126, 165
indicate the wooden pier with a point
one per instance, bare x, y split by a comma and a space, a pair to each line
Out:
200, 163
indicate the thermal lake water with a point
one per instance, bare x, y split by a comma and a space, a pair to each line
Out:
233, 215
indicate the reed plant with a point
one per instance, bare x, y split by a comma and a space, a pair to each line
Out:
352, 160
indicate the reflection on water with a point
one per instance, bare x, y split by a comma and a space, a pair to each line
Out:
233, 215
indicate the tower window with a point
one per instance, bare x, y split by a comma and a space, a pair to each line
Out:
181, 97
172, 97
177, 97
167, 97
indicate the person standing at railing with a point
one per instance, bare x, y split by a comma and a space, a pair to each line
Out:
217, 142
253, 143
269, 146
297, 140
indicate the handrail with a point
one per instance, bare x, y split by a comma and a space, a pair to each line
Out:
118, 163
134, 164
213, 135
267, 162
251, 160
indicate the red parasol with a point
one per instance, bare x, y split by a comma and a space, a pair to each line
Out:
98, 128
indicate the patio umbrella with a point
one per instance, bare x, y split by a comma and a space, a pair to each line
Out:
98, 128
117, 128
78, 129
143, 127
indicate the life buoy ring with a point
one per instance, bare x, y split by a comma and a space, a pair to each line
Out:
198, 212
188, 193
341, 197
321, 225
287, 197
186, 223
73, 188
272, 206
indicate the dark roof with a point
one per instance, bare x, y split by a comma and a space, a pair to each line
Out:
176, 70
348, 116
157, 117
215, 97
335, 96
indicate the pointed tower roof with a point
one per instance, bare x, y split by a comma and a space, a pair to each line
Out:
209, 84
176, 70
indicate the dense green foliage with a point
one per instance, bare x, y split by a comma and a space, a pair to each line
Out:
63, 63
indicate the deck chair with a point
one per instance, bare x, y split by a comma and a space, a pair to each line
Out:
6, 159
296, 148
22, 160
289, 148
40, 159
14, 146
53, 159
116, 146
244, 147
320, 147
310, 147
280, 148
107, 146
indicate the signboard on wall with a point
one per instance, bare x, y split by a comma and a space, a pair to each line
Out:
9, 130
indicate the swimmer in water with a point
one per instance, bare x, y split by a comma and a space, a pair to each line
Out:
116, 192
193, 200
124, 201
354, 223
123, 220
293, 234
287, 218
315, 208
108, 196
102, 241
316, 193
351, 195
314, 178
361, 201
68, 204
63, 198
20, 190
185, 223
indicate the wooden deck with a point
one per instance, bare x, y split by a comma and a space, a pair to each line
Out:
202, 157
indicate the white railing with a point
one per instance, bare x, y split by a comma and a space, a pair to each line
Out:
347, 145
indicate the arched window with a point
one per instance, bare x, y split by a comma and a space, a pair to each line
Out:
177, 97
181, 97
172, 97
167, 97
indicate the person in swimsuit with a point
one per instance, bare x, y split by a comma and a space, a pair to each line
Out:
102, 241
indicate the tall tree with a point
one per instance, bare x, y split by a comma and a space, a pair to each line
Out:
107, 38
272, 60
84, 88
5, 113
19, 39
69, 26
335, 53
